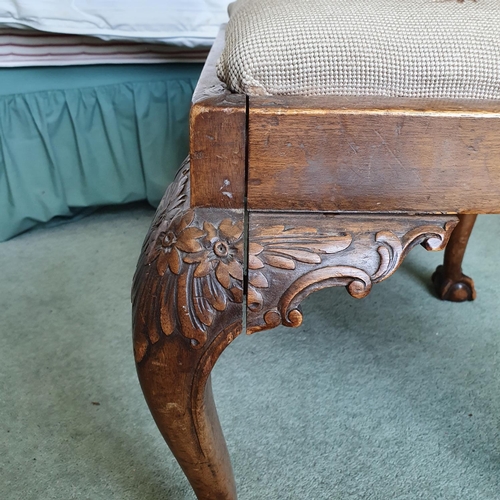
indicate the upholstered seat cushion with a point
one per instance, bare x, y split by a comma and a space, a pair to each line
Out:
406, 48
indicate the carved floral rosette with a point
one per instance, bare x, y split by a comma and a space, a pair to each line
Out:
202, 265
196, 258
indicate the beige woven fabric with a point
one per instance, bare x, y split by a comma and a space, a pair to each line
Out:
405, 48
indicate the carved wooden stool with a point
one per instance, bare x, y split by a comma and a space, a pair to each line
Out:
287, 194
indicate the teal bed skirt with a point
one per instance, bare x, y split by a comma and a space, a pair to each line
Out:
76, 137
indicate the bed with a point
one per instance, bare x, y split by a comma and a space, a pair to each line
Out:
94, 113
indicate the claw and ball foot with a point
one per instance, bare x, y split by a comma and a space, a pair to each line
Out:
449, 281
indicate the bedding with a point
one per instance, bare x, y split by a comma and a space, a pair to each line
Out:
28, 47
82, 136
190, 23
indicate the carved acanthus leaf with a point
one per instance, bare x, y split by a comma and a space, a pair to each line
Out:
329, 256
283, 247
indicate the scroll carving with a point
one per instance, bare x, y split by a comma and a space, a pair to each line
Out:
347, 250
393, 249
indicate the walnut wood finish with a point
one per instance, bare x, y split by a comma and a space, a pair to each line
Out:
449, 281
187, 307
292, 255
374, 155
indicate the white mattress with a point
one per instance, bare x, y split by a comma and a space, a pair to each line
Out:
28, 47
190, 23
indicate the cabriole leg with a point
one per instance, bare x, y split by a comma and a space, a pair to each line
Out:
187, 307
449, 281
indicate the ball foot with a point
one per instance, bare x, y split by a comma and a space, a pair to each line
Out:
453, 290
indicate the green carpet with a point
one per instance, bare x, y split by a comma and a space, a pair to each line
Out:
396, 396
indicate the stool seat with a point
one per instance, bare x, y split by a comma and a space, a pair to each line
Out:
397, 48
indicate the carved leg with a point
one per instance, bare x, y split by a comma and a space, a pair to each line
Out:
450, 283
187, 307
293, 255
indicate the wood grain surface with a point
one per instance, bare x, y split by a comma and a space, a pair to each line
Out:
374, 155
217, 140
